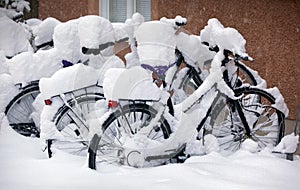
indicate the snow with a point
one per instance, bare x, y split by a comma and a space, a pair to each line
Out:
288, 144
13, 37
10, 90
279, 103
194, 52
95, 31
126, 84
44, 31
225, 38
72, 80
156, 43
24, 166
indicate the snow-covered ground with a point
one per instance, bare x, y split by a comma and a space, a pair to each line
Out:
24, 166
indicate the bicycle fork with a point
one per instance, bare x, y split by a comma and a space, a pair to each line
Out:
236, 106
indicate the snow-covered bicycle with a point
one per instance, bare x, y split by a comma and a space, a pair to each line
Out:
139, 131
73, 95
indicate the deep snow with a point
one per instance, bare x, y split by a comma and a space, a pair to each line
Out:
24, 166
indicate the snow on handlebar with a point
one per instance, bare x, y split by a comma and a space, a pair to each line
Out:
177, 22
217, 37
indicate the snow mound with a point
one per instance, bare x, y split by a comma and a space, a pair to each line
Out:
13, 38
75, 77
288, 144
156, 43
127, 84
44, 32
94, 31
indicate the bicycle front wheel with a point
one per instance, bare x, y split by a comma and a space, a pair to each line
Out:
192, 80
266, 123
122, 131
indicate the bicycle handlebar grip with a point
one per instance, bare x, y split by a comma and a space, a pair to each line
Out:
84, 50
180, 23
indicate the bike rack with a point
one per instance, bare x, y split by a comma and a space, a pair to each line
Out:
290, 156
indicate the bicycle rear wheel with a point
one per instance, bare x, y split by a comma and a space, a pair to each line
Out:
19, 111
266, 122
72, 121
121, 132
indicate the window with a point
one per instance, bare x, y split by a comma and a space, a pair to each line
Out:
120, 10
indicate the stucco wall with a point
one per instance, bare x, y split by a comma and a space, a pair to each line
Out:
271, 28
64, 10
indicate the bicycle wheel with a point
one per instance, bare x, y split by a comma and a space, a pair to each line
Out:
192, 80
19, 111
266, 123
72, 121
121, 132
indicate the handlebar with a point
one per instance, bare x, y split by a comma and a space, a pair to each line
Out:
17, 17
180, 23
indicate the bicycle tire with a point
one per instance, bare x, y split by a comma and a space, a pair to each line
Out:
266, 122
110, 140
67, 124
19, 110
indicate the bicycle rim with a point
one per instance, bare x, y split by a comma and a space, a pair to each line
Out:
121, 132
69, 122
266, 123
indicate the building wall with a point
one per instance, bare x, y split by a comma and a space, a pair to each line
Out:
271, 28
64, 10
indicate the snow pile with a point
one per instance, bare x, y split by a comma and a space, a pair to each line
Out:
120, 32
13, 38
73, 78
242, 170
250, 145
7, 87
66, 41
194, 52
46, 62
201, 147
127, 84
176, 22
8, 90
279, 101
44, 31
210, 31
215, 34
288, 144
131, 25
156, 43
95, 31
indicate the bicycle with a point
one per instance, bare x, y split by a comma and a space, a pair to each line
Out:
192, 71
68, 112
20, 110
141, 132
